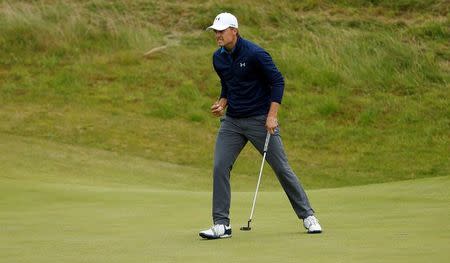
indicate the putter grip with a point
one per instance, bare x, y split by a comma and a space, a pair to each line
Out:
266, 144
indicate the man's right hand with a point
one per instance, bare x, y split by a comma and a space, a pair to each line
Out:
218, 108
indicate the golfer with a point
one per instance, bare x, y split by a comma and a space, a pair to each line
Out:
252, 89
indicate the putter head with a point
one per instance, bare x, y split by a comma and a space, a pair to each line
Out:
246, 228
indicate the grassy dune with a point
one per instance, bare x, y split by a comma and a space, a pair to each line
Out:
367, 82
76, 204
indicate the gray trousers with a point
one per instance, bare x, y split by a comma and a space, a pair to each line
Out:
234, 133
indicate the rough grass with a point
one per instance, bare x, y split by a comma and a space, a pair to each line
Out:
366, 96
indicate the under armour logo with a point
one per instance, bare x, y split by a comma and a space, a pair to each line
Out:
242, 64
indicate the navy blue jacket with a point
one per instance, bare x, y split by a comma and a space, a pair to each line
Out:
250, 80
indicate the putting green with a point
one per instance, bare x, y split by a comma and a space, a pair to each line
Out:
396, 222
48, 216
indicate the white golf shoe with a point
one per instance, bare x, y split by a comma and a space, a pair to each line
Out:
216, 231
312, 225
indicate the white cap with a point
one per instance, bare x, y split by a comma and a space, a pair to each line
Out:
224, 21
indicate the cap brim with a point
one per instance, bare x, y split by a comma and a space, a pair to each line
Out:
218, 27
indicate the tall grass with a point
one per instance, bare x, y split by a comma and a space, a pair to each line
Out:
71, 27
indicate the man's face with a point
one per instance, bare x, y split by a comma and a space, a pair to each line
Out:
226, 38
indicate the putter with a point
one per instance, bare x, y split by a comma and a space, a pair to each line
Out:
266, 145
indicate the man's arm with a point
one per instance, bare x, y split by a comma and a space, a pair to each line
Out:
272, 74
276, 82
218, 108
272, 121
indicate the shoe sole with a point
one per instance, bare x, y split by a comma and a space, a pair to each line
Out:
210, 237
315, 232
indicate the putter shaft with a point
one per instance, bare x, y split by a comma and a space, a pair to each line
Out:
266, 145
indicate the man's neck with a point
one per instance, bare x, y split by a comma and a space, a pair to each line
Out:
230, 46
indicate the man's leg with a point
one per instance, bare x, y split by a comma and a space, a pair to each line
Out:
276, 157
229, 143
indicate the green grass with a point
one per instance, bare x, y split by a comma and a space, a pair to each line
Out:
77, 204
107, 153
367, 82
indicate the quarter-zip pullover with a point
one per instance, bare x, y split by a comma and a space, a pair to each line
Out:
249, 78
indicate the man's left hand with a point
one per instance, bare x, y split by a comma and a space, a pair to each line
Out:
271, 124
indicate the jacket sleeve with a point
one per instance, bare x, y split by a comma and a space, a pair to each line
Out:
223, 92
272, 74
